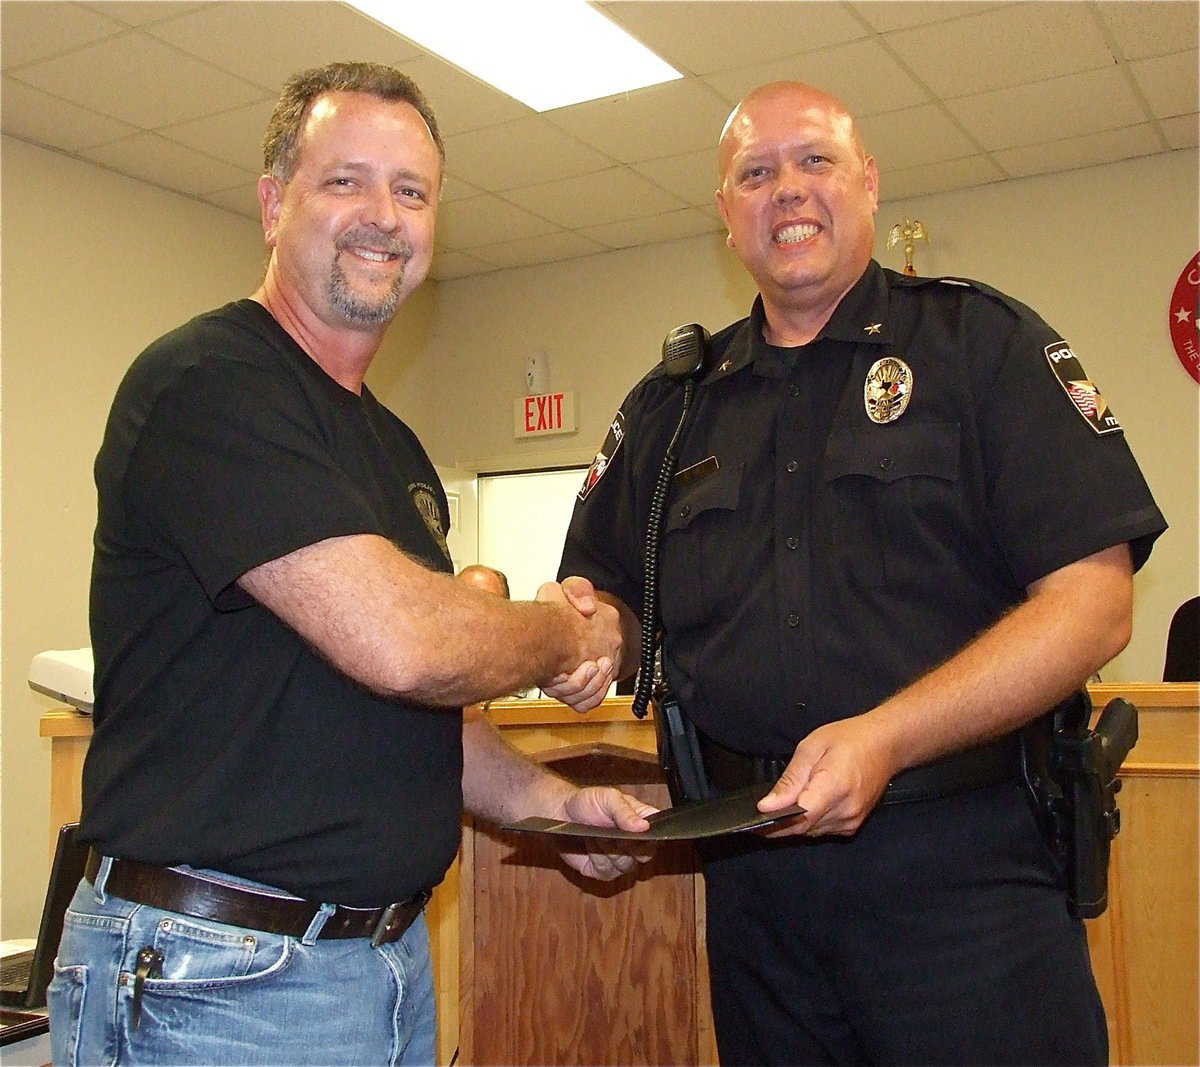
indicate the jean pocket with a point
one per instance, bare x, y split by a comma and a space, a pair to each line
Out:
197, 954
209, 980
64, 1000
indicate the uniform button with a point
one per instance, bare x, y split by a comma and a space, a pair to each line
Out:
793, 543
793, 620
885, 464
799, 705
685, 511
792, 466
794, 389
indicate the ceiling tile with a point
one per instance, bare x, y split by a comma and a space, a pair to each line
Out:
594, 199
102, 76
1183, 131
234, 136
1049, 110
703, 36
1071, 153
938, 178
916, 135
459, 101
486, 220
671, 226
692, 176
448, 265
231, 36
241, 200
454, 188
1144, 28
142, 12
1003, 47
520, 153
548, 248
139, 80
862, 74
886, 15
33, 31
631, 128
36, 116
161, 162
1171, 84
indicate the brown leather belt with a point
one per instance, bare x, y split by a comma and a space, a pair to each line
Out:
972, 768
234, 905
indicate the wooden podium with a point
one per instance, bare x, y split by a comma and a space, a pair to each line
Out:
532, 943
558, 969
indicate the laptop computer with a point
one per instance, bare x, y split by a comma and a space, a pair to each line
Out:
26, 975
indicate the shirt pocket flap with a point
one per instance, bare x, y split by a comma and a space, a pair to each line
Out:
894, 452
717, 491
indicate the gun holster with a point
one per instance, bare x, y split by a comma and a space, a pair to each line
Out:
678, 749
1071, 771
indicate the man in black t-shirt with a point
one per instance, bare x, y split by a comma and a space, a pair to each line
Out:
904, 525
276, 777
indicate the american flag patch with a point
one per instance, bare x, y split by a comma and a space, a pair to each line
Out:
1085, 396
1080, 389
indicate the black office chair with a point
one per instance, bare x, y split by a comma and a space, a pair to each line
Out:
1183, 644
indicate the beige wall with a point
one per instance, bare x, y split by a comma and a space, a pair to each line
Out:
96, 265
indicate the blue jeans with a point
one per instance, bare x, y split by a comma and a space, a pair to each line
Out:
229, 995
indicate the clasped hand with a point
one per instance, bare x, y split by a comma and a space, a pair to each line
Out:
600, 645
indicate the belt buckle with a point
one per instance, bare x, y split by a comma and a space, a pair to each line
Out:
393, 918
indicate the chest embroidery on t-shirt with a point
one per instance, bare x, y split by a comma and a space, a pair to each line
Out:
888, 389
427, 506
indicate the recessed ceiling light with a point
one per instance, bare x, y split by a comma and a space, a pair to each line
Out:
545, 53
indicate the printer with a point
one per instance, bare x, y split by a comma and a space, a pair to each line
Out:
65, 674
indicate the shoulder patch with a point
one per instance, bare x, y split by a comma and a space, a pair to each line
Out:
612, 442
1080, 390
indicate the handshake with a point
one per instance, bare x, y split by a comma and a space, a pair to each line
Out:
602, 633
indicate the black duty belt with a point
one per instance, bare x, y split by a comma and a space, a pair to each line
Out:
972, 768
223, 902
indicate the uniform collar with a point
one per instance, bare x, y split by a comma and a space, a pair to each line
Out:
862, 314
860, 317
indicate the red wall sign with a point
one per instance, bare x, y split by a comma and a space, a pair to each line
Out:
546, 413
1183, 316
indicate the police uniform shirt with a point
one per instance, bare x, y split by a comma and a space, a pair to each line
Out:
848, 514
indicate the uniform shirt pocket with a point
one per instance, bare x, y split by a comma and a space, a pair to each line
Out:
894, 499
698, 550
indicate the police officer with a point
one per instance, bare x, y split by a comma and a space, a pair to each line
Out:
904, 525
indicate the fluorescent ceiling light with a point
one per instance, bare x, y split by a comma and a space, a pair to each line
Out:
545, 53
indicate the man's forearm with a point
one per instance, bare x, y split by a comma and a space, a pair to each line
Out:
403, 630
1074, 622
501, 784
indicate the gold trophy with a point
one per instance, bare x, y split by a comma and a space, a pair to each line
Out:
910, 233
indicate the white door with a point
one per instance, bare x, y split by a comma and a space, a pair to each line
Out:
523, 521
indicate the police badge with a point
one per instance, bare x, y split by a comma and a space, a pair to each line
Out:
888, 389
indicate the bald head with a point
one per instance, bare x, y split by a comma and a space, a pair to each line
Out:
485, 579
807, 102
798, 195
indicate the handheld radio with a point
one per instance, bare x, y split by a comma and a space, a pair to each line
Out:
684, 354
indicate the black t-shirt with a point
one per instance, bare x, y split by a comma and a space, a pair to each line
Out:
815, 560
221, 739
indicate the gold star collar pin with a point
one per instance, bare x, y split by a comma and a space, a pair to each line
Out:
873, 328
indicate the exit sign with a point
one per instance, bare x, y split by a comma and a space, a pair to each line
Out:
547, 413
